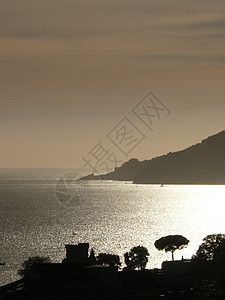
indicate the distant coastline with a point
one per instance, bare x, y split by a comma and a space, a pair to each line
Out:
203, 163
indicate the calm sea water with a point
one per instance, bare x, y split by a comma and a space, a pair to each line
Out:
39, 215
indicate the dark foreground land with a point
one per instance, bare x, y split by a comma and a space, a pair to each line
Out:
77, 278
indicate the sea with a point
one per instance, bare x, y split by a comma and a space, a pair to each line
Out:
42, 210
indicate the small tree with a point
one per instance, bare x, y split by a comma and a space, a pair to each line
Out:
28, 264
136, 258
108, 259
92, 259
171, 243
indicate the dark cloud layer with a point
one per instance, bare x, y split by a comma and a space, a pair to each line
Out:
85, 19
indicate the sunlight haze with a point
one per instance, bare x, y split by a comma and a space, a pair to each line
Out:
71, 70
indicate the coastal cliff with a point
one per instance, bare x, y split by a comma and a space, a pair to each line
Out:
203, 163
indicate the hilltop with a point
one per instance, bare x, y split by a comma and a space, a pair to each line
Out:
203, 163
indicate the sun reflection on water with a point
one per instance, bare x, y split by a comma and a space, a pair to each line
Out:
112, 217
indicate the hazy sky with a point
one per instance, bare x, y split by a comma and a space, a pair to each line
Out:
71, 70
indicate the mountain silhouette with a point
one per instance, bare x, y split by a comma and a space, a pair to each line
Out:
203, 163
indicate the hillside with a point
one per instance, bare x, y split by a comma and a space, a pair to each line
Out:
203, 163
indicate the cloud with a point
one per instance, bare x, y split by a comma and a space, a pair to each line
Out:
88, 19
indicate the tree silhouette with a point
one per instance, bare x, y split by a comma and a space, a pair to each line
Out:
209, 260
108, 259
28, 264
171, 243
136, 258
92, 259
212, 249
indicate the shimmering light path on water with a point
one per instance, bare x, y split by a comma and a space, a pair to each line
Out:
111, 216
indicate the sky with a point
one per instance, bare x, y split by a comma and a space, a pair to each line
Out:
71, 71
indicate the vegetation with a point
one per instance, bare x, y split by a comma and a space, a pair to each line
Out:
212, 249
136, 258
28, 264
209, 260
171, 243
108, 259
92, 259
210, 255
